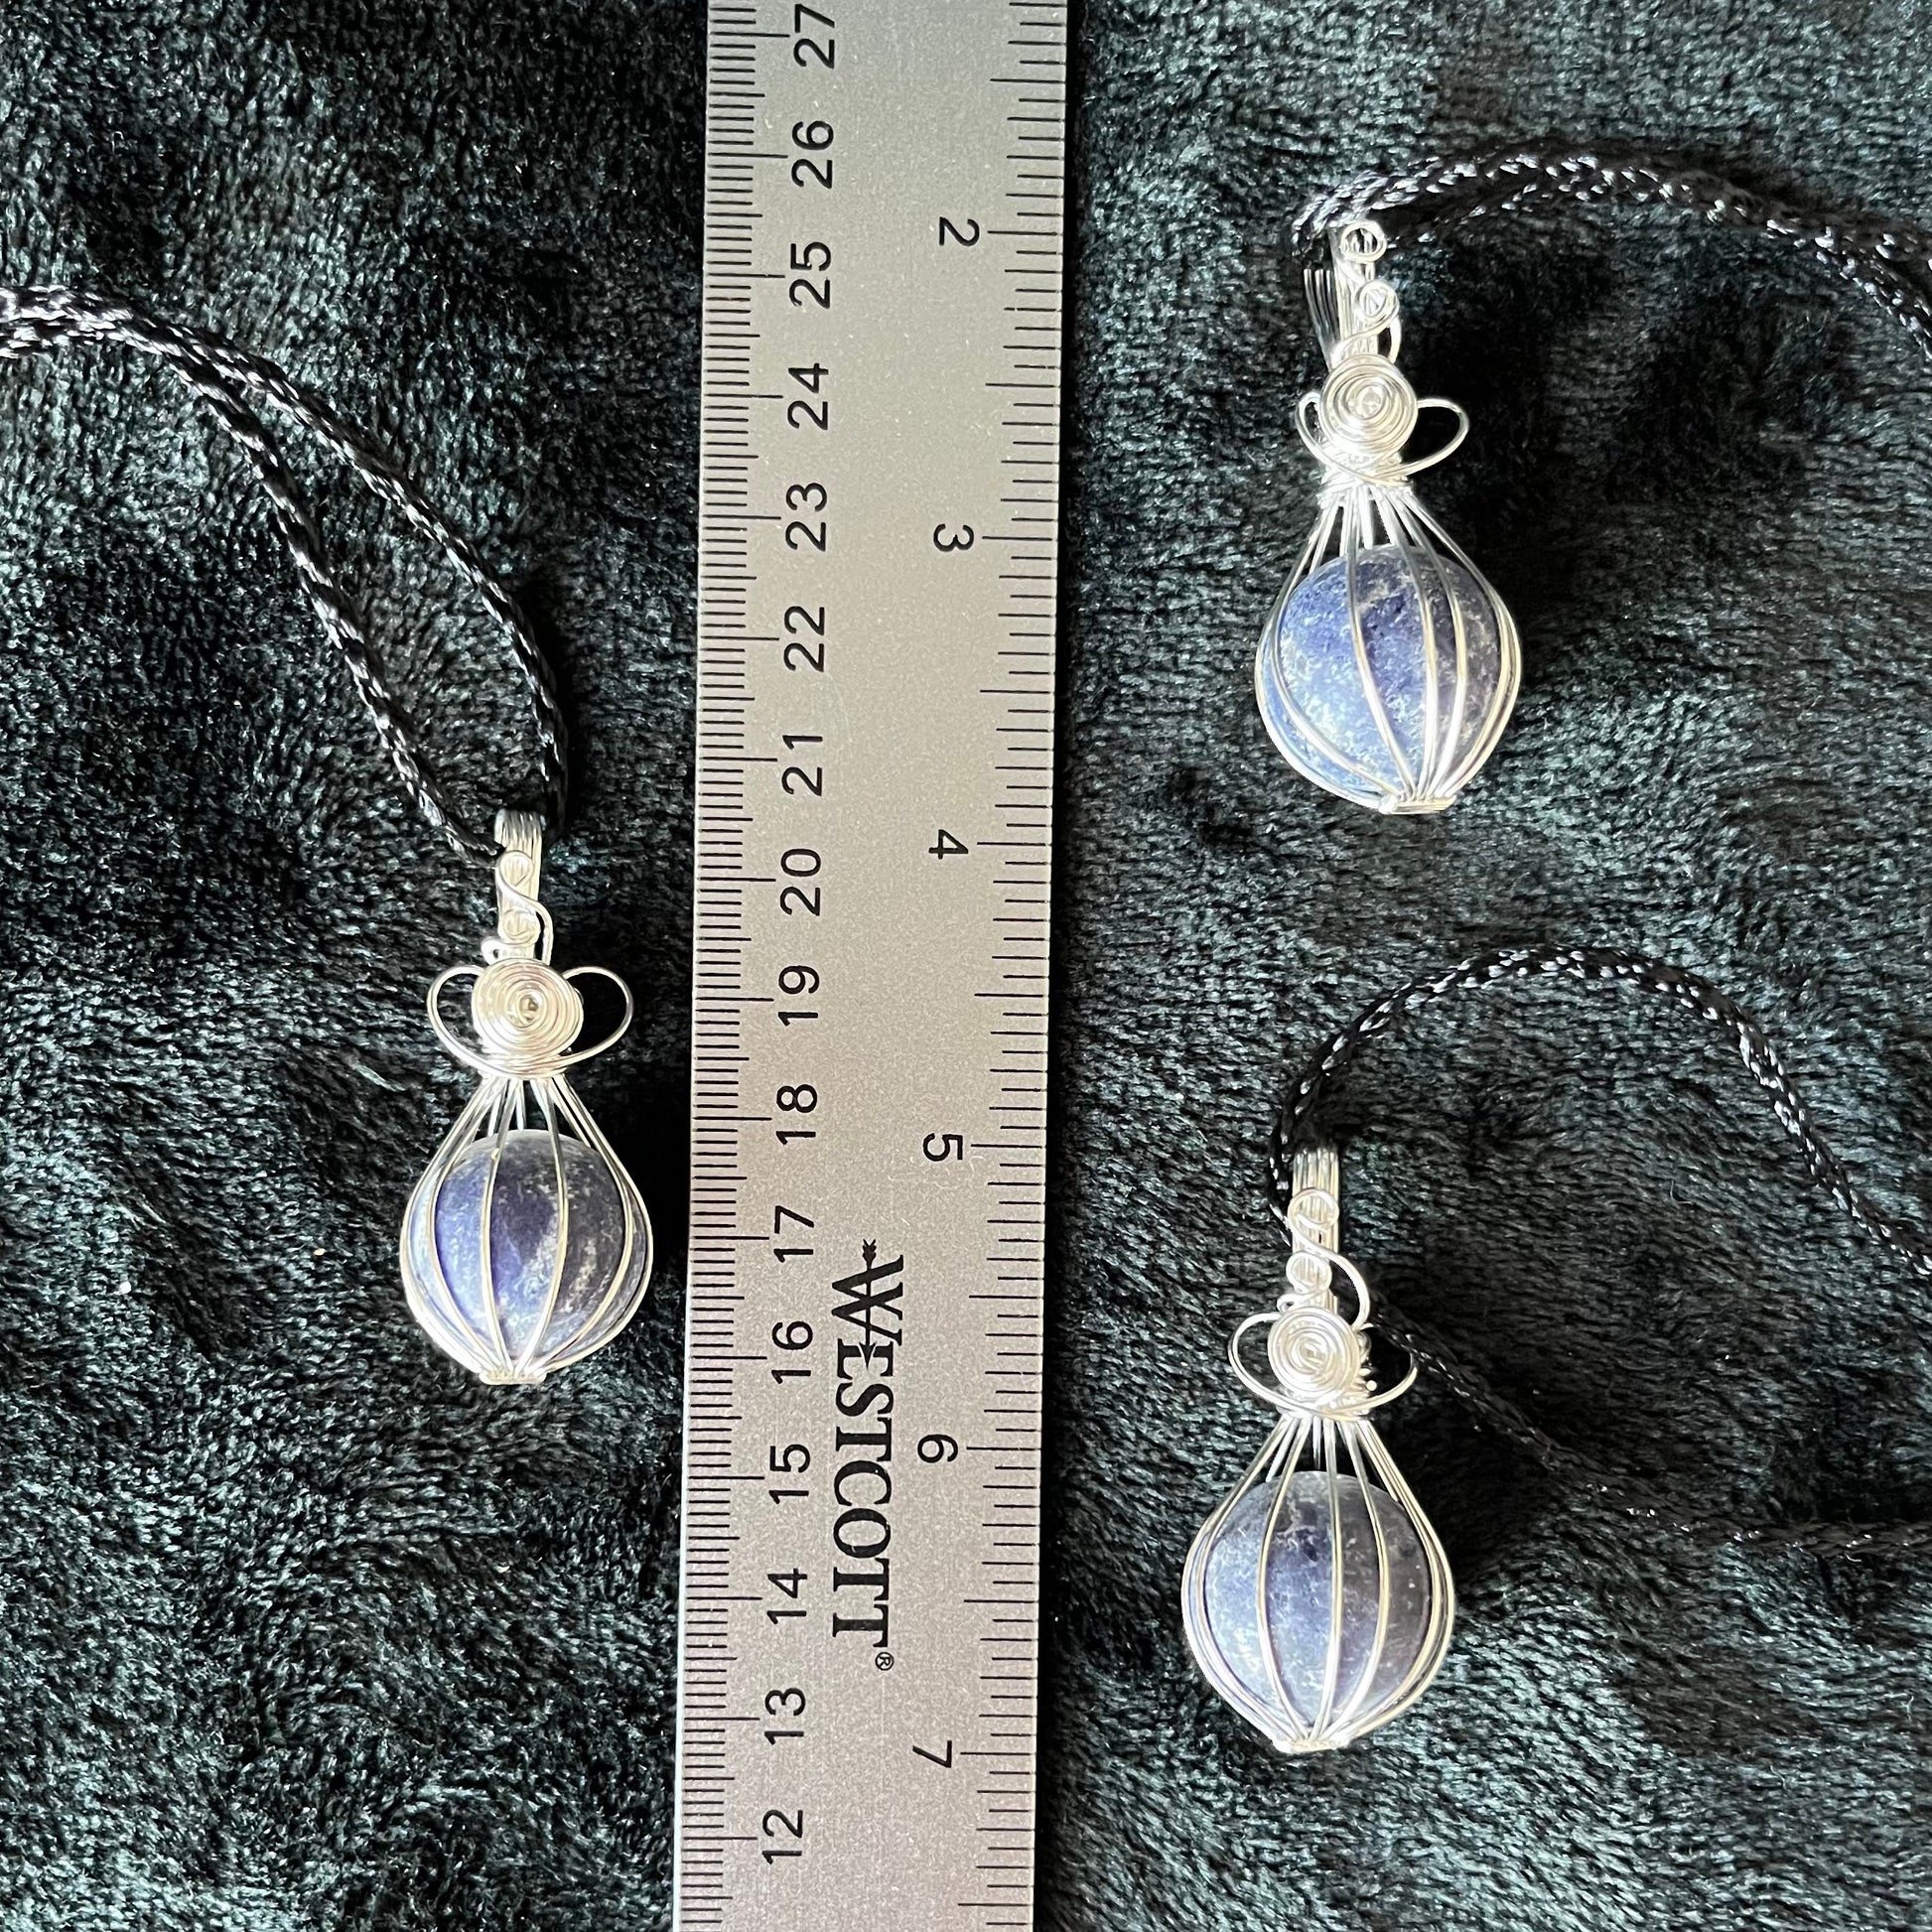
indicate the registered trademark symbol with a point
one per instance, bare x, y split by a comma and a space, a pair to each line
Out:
884, 1661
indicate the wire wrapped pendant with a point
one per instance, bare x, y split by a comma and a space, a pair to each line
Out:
1388, 666
1317, 1599
526, 1246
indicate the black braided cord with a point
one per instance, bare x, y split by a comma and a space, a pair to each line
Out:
36, 319
1883, 258
1295, 1128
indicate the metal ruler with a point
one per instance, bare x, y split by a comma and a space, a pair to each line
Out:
876, 617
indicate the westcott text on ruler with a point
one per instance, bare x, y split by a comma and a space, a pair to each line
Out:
877, 549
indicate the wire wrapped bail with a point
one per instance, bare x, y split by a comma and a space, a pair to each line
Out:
522, 924
1313, 1220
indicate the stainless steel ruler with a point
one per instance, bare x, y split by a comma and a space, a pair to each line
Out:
875, 618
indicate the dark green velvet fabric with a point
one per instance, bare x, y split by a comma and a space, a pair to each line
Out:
303, 1630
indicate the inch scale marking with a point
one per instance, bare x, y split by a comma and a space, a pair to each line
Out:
878, 545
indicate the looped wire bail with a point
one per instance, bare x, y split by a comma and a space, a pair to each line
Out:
1313, 1227
523, 924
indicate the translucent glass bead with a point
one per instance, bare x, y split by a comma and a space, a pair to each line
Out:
523, 1227
1301, 1595
1318, 703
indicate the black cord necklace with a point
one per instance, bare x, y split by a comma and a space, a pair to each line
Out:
1297, 1130
1884, 259
525, 1246
1879, 256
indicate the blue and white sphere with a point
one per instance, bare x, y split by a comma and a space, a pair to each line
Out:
1316, 702
523, 1227
1301, 1595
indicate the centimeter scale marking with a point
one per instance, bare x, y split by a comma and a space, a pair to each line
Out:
879, 515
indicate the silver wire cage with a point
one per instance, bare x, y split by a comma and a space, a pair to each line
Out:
1317, 1599
525, 1245
1388, 666
486, 1333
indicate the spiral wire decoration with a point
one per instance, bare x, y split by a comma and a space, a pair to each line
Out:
1296, 1130
526, 1014
35, 321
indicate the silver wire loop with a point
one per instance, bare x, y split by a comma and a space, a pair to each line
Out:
523, 929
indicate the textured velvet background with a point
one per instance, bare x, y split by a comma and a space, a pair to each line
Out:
302, 1631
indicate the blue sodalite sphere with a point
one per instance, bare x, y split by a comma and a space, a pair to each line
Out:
1301, 1584
522, 1233
1309, 677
